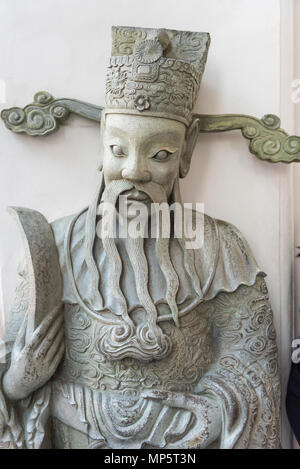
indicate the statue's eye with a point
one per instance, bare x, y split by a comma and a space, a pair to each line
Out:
117, 151
162, 155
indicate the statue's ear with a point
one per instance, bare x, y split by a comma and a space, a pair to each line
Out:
190, 142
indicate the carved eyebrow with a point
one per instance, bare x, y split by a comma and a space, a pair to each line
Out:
118, 131
171, 134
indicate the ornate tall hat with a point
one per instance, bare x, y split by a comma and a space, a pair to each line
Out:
155, 72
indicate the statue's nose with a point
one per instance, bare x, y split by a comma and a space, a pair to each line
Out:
136, 171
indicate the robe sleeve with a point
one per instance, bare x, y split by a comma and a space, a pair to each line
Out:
244, 377
22, 423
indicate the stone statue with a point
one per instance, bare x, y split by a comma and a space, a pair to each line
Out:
140, 341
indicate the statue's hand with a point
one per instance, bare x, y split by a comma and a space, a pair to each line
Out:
207, 427
33, 363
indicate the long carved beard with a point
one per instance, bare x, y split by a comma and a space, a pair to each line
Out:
122, 338
146, 341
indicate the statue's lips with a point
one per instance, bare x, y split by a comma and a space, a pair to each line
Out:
135, 195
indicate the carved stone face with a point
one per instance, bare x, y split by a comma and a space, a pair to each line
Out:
141, 149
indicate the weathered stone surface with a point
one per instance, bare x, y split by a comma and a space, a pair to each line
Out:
150, 343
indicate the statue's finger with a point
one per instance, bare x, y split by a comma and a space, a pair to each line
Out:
155, 394
177, 400
59, 355
47, 321
20, 339
169, 398
45, 328
49, 345
189, 401
174, 399
55, 327
55, 346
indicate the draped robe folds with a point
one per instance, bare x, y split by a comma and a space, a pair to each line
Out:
225, 348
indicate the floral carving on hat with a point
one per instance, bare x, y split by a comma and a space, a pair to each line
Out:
142, 102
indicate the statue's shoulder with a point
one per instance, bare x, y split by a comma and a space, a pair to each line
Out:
233, 243
69, 235
61, 227
221, 233
225, 256
224, 229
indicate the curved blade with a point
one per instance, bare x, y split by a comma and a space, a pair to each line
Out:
44, 275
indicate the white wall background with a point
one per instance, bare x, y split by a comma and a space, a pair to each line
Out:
63, 46
296, 76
